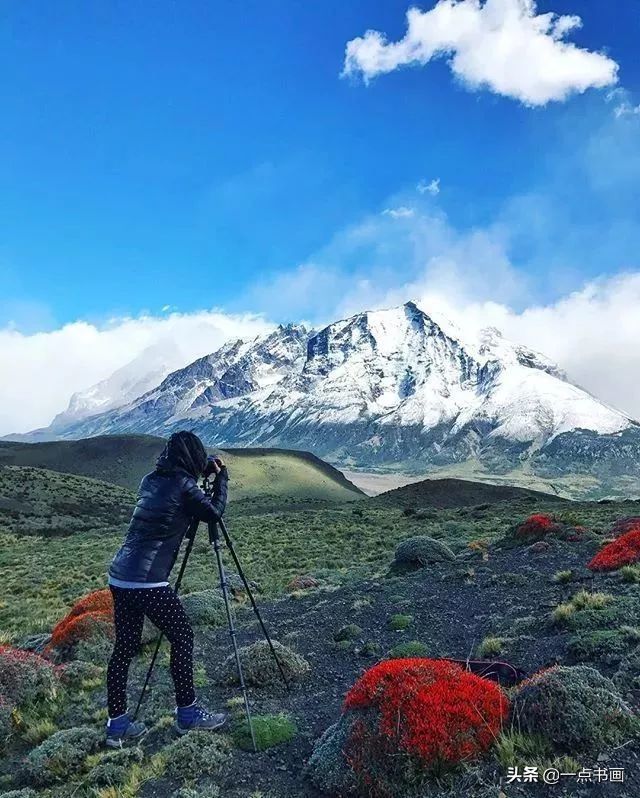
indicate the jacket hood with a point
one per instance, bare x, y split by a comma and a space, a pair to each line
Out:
183, 450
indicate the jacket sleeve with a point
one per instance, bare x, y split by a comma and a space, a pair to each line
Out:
204, 508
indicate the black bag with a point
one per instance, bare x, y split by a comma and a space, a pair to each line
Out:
503, 673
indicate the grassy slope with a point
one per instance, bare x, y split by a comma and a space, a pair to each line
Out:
124, 459
56, 532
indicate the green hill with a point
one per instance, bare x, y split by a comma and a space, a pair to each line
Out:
446, 493
35, 501
123, 460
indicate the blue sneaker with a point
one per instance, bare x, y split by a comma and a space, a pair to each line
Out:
122, 730
196, 718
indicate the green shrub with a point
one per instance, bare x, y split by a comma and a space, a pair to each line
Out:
608, 646
61, 755
490, 646
210, 791
195, 754
269, 730
349, 632
77, 673
399, 622
113, 768
327, 767
570, 518
562, 577
576, 708
206, 608
25, 792
630, 573
369, 649
627, 677
6, 722
259, 666
97, 650
408, 650
25, 677
419, 551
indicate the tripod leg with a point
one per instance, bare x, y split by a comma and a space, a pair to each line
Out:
147, 678
215, 538
236, 561
192, 535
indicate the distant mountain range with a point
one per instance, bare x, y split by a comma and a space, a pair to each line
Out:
383, 389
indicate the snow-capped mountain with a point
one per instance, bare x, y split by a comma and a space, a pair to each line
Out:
387, 387
237, 369
123, 386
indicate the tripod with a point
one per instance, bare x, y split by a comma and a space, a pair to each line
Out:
216, 541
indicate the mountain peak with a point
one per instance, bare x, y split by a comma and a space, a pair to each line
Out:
412, 308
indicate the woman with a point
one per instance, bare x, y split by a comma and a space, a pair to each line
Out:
168, 499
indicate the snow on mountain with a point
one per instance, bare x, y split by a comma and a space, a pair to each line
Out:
236, 369
399, 368
385, 387
123, 386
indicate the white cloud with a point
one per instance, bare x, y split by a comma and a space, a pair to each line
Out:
622, 102
504, 46
591, 333
432, 187
469, 278
399, 213
40, 371
626, 109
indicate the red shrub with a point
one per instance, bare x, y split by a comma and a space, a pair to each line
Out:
623, 551
537, 526
91, 616
73, 629
92, 602
25, 676
304, 582
420, 714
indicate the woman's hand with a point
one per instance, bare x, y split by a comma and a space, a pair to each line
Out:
214, 466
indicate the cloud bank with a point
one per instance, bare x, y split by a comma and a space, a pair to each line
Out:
40, 371
504, 46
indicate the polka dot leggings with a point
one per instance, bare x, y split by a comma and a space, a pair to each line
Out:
162, 607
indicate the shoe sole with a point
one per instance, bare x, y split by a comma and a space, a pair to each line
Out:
182, 732
123, 742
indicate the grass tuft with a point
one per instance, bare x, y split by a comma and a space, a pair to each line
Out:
490, 646
269, 730
584, 600
399, 622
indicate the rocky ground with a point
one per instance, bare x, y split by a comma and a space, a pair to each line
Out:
453, 608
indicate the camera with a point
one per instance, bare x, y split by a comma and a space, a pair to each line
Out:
213, 465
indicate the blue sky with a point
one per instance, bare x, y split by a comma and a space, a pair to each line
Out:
200, 155
174, 153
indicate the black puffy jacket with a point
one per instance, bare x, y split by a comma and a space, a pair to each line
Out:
168, 499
